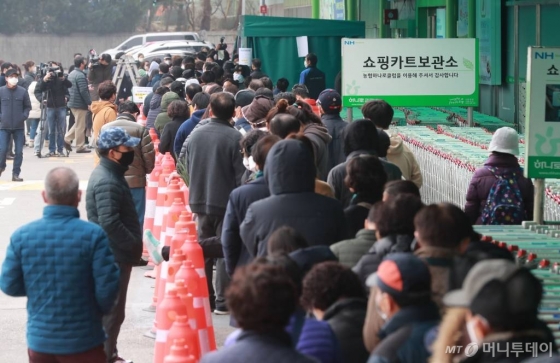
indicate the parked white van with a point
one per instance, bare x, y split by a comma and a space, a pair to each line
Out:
141, 39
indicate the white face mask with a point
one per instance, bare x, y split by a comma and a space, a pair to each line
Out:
13, 81
33, 70
379, 311
304, 64
168, 62
250, 164
238, 77
140, 59
182, 66
470, 330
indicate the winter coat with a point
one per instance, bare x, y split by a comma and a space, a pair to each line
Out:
109, 204
65, 268
483, 180
320, 138
56, 90
2, 80
168, 136
155, 108
146, 104
162, 118
235, 252
336, 127
183, 154
103, 113
144, 153
357, 213
15, 106
439, 261
292, 203
253, 347
346, 318
99, 74
405, 336
214, 165
35, 112
28, 79
185, 129
155, 81
400, 155
338, 173
350, 251
242, 124
258, 74
314, 79
369, 263
79, 92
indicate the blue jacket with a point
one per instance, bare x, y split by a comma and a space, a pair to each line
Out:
405, 337
15, 105
235, 252
65, 268
314, 79
242, 123
185, 130
336, 127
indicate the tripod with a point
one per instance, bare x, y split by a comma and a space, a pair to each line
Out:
42, 120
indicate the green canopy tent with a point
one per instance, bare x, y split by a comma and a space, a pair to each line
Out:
273, 41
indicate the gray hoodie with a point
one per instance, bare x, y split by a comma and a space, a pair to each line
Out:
319, 136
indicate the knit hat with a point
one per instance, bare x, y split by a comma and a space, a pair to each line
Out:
402, 275
330, 101
244, 97
505, 140
256, 112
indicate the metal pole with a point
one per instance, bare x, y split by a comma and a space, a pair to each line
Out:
538, 210
451, 18
316, 9
349, 114
470, 122
472, 18
242, 7
538, 25
381, 19
516, 66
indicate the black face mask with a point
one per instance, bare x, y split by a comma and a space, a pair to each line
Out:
126, 158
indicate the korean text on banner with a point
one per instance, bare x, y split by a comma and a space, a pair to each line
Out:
139, 94
542, 121
410, 72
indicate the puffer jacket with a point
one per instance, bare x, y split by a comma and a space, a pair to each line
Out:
109, 204
15, 106
319, 136
350, 251
369, 263
185, 130
168, 136
183, 154
79, 93
56, 91
483, 180
28, 79
290, 175
155, 108
338, 173
35, 104
65, 268
162, 118
400, 155
144, 154
346, 318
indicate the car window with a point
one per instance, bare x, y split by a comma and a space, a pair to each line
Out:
155, 38
189, 37
132, 43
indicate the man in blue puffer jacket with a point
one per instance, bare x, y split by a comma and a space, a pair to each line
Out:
67, 271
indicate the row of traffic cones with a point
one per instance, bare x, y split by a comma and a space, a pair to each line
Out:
183, 328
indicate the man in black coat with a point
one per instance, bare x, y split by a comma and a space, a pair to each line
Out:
290, 174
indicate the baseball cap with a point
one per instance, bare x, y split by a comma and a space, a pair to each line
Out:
403, 275
244, 97
503, 293
330, 101
10, 72
505, 140
167, 56
113, 137
165, 81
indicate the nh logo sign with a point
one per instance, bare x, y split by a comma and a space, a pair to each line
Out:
544, 55
349, 42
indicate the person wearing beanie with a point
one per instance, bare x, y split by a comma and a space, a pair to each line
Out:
330, 104
256, 112
502, 162
162, 118
243, 99
402, 286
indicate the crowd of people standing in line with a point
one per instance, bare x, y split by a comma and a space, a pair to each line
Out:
322, 246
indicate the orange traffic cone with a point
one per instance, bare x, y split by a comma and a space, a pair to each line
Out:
160, 201
185, 191
153, 135
151, 198
168, 161
182, 330
179, 353
141, 119
187, 299
167, 312
174, 265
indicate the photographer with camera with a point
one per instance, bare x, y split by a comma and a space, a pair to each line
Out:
100, 70
52, 92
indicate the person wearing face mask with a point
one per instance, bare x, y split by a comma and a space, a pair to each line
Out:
403, 300
104, 110
144, 154
98, 73
15, 106
502, 300
167, 59
109, 204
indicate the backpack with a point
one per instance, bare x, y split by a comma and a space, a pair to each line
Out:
504, 205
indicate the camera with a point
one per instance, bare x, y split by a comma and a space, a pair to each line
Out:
93, 58
48, 69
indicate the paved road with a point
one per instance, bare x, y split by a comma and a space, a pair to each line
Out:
21, 203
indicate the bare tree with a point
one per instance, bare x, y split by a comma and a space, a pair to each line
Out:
206, 15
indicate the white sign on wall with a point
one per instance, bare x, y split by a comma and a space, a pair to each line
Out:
542, 120
410, 72
139, 94
245, 56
